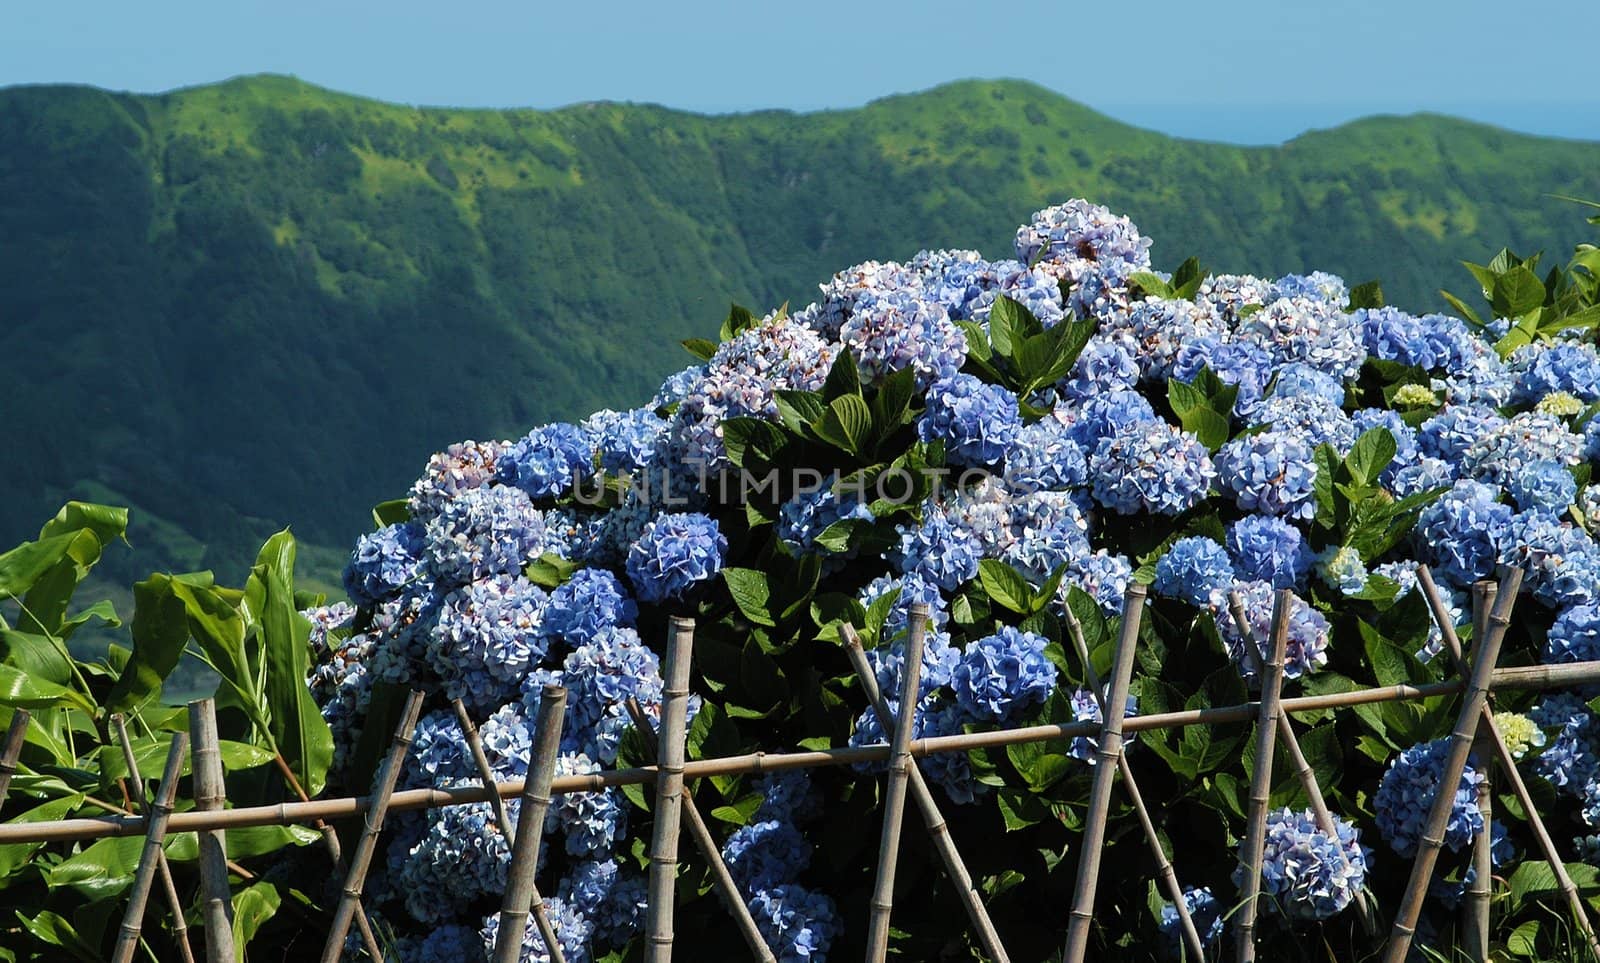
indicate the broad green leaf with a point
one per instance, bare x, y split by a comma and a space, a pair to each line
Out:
101, 870
23, 565
1153, 285
700, 348
1517, 292
18, 689
242, 842
1004, 585
40, 657
843, 378
252, 908
160, 631
1370, 455
752, 593
1368, 295
298, 729
847, 424
53, 929
392, 512
14, 855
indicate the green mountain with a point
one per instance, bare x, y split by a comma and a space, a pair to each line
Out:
259, 302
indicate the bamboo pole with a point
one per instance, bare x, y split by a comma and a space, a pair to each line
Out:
1169, 877
382, 787
520, 892
541, 917
180, 925
668, 813
1303, 772
938, 830
1508, 765
1475, 908
1255, 839
1525, 677
700, 833
210, 795
1473, 703
11, 749
881, 904
1110, 748
153, 856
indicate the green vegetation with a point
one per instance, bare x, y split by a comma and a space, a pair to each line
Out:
260, 302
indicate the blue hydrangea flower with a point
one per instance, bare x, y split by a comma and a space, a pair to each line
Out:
1151, 467
625, 441
1105, 415
1458, 532
1318, 284
1308, 330
907, 591
1230, 294
611, 900
939, 661
1545, 487
1406, 793
765, 854
1423, 474
1002, 675
1405, 436
976, 421
1243, 364
1204, 911
438, 753
1312, 418
1081, 231
1542, 369
1268, 549
493, 530
487, 638
459, 468
1307, 646
1569, 760
383, 562
600, 676
1448, 434
592, 821
1297, 380
1102, 576
937, 550
591, 601
950, 771
863, 284
460, 858
798, 924
1196, 570
449, 944
1272, 472
573, 931
1160, 328
1043, 457
1574, 636
1307, 873
1047, 531
548, 460
675, 553
789, 796
1109, 362
1561, 561
1431, 342
1086, 708
1505, 451
1591, 439
969, 289
904, 330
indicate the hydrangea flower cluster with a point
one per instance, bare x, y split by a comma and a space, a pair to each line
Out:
1405, 794
557, 557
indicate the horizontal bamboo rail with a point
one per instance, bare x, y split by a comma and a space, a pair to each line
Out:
282, 814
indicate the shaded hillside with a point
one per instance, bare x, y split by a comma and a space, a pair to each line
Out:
260, 302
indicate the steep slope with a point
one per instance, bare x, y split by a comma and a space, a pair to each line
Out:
259, 302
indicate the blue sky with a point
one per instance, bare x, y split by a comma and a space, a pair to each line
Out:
1251, 71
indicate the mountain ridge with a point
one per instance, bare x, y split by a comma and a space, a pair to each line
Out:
261, 302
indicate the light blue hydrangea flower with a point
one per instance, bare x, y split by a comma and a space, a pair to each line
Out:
1300, 380
1196, 570
1307, 646
1310, 331
1341, 567
459, 468
976, 421
1542, 369
1272, 472
1001, 676
548, 460
1043, 457
1151, 467
459, 859
1307, 873
1318, 284
1086, 708
809, 513
488, 636
1106, 415
625, 441
1161, 327
1109, 362
1505, 451
383, 563
798, 924
1314, 419
937, 550
1081, 231
592, 822
767, 853
904, 330
611, 900
1574, 636
573, 930
1545, 487
1103, 576
1458, 532
1406, 793
1204, 911
907, 590
1268, 549
675, 553
1243, 364
493, 530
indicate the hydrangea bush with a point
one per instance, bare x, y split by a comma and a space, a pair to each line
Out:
1007, 442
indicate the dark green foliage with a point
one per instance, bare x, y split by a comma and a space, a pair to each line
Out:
258, 302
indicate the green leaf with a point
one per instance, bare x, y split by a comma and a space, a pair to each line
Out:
1005, 586
752, 442
891, 405
1368, 295
1370, 455
392, 512
1010, 322
99, 871
53, 929
252, 908
19, 690
739, 318
752, 593
244, 842
1186, 280
700, 347
1517, 292
847, 424
40, 657
843, 378
298, 729
1461, 307
21, 567
15, 855
799, 409
1524, 940
549, 570
1153, 285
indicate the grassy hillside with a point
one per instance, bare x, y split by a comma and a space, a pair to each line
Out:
259, 302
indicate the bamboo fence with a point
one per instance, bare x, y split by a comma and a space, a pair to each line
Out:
671, 775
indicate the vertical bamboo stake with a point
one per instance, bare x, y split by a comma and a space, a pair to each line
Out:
210, 793
1261, 778
541, 918
1169, 878
16, 733
155, 834
938, 830
1475, 908
707, 844
517, 902
1508, 765
1094, 832
1303, 772
1472, 706
669, 793
894, 795
382, 788
180, 925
